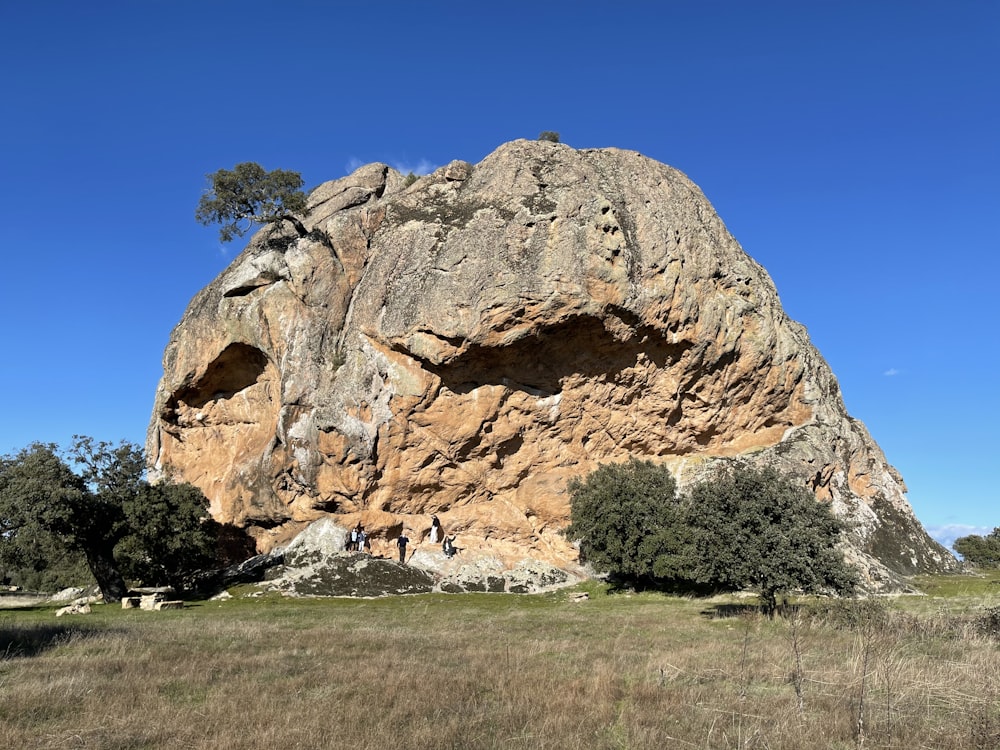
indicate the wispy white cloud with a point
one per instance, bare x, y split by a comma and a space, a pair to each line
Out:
891, 372
423, 166
419, 167
947, 534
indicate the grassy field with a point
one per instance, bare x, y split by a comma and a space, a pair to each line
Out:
504, 671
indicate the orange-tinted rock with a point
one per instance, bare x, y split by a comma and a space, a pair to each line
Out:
464, 345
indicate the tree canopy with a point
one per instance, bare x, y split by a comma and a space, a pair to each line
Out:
755, 528
983, 551
739, 528
628, 520
248, 195
105, 511
169, 534
41, 495
38, 497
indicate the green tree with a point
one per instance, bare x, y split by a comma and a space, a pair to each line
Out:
628, 521
248, 195
40, 496
30, 557
549, 135
755, 528
170, 535
105, 511
983, 551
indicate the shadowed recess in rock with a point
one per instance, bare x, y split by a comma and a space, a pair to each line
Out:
539, 362
239, 366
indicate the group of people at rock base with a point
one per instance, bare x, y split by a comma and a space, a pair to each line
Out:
357, 540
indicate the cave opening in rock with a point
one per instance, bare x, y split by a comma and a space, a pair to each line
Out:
238, 367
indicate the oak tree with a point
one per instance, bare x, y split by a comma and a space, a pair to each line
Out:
628, 521
758, 529
104, 511
983, 551
248, 195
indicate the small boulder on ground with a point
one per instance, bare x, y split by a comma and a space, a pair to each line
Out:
73, 609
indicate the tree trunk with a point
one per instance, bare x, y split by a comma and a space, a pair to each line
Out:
299, 226
769, 603
109, 580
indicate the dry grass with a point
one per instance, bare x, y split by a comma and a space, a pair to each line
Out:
496, 671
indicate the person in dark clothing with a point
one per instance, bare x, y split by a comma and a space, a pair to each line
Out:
401, 542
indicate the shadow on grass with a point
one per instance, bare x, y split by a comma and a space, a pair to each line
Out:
32, 640
627, 585
734, 609
849, 613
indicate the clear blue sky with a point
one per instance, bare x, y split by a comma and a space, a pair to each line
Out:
851, 147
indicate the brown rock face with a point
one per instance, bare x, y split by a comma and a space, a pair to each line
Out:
463, 345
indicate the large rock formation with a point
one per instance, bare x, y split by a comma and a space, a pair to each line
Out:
465, 344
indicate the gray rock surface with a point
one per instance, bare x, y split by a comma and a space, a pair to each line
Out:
316, 564
464, 345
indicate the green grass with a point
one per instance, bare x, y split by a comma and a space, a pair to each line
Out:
618, 670
985, 583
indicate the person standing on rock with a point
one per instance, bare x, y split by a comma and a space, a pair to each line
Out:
401, 542
435, 530
354, 537
362, 538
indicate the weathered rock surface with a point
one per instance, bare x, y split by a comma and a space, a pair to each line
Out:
317, 564
463, 345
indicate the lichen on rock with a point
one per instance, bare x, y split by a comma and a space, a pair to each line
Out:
463, 345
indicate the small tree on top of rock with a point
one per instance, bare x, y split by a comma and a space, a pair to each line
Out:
248, 195
549, 135
755, 528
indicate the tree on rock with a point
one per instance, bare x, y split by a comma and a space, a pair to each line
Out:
629, 522
755, 528
248, 195
983, 551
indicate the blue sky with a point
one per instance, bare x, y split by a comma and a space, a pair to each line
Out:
851, 147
